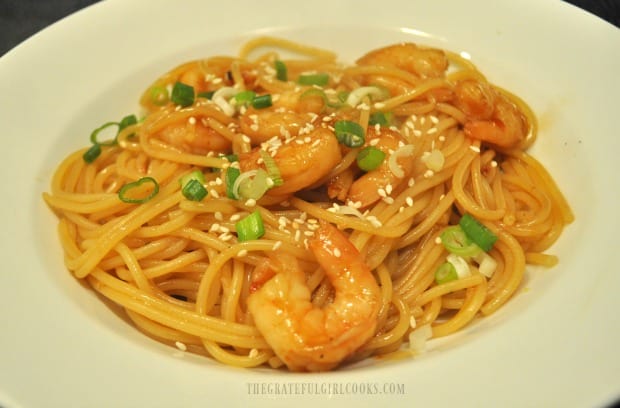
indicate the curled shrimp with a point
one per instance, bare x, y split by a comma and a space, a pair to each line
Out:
300, 164
366, 190
309, 338
491, 117
424, 62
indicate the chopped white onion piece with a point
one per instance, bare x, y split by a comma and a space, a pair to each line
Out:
403, 151
221, 98
460, 265
419, 337
434, 160
486, 264
357, 94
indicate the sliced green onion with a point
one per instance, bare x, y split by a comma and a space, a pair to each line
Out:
369, 158
445, 273
194, 175
194, 190
272, 168
255, 187
159, 95
321, 93
91, 154
349, 133
122, 193
321, 79
477, 232
95, 134
457, 242
182, 94
231, 157
380, 118
232, 173
261, 102
127, 121
205, 94
460, 265
281, 71
244, 97
250, 227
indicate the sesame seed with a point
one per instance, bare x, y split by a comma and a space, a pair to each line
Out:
493, 163
217, 80
242, 253
409, 201
246, 139
388, 189
379, 105
411, 182
337, 253
235, 217
181, 346
401, 209
429, 173
374, 221
417, 133
218, 216
277, 245
412, 322
475, 148
191, 120
253, 353
442, 138
381, 192
374, 142
225, 237
250, 202
297, 235
422, 120
438, 240
214, 227
254, 127
215, 194
431, 131
309, 233
434, 119
388, 200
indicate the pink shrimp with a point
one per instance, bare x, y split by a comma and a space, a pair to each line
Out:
308, 338
491, 117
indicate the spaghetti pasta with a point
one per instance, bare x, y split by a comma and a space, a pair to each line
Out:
338, 264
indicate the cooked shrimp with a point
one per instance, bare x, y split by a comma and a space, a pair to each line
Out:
424, 62
194, 137
261, 125
300, 164
307, 338
491, 117
367, 189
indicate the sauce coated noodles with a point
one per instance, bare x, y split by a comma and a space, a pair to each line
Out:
303, 213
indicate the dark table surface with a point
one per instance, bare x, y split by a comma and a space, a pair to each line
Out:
22, 18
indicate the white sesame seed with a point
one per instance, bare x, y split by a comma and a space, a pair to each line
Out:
388, 200
431, 131
250, 202
475, 148
181, 346
218, 216
422, 120
434, 119
442, 138
409, 201
388, 189
215, 194
242, 253
429, 173
191, 120
337, 253
253, 353
493, 163
417, 133
297, 235
381, 192
411, 182
214, 227
277, 245
379, 105
438, 240
235, 217
309, 233
412, 322
374, 142
374, 221
254, 127
246, 139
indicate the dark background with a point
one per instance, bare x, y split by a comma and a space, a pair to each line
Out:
19, 19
